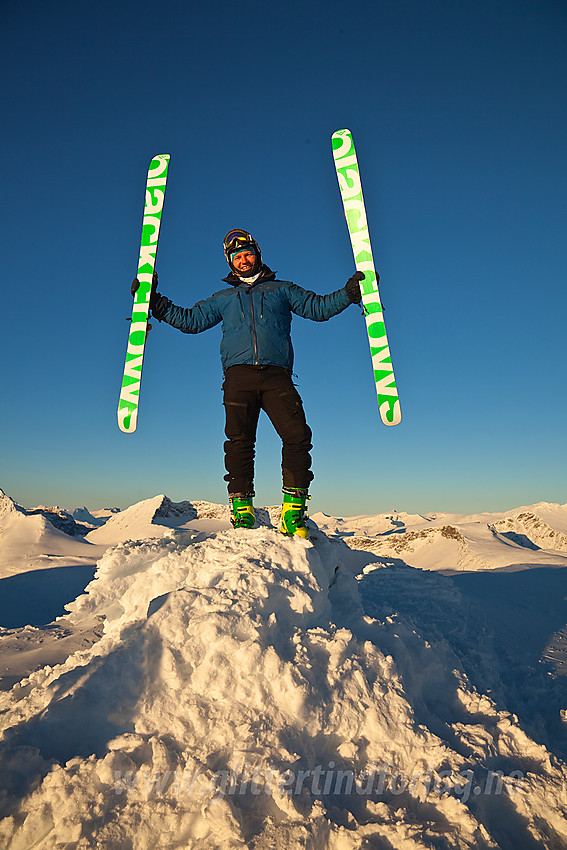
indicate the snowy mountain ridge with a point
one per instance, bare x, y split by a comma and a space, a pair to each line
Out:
527, 525
371, 525
58, 517
517, 539
85, 517
31, 539
521, 538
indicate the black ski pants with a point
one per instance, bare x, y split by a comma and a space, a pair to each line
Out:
247, 390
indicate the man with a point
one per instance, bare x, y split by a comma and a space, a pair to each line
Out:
257, 360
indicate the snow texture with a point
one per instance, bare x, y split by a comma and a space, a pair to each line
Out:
239, 689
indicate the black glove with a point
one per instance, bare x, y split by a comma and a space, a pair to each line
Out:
353, 287
158, 302
136, 285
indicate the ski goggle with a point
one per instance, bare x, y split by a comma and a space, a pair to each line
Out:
236, 239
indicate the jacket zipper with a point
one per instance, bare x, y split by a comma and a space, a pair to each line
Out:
254, 328
241, 306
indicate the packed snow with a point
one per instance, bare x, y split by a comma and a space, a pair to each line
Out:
396, 681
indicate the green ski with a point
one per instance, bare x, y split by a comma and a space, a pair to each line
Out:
348, 175
131, 381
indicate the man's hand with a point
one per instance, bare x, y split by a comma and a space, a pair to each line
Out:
353, 287
158, 302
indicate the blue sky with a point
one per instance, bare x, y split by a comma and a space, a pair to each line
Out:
459, 116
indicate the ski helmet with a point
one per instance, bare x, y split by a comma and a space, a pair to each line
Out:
237, 240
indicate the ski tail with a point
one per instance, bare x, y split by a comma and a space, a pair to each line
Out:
348, 175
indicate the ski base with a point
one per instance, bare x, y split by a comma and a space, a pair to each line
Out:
132, 377
348, 175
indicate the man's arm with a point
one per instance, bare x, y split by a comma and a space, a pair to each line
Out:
191, 320
319, 308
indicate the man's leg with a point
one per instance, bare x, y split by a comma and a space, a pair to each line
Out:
242, 408
283, 404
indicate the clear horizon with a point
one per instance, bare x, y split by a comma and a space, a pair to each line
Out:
258, 504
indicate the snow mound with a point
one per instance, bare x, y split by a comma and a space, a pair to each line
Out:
412, 541
57, 517
8, 507
154, 517
146, 519
85, 517
528, 529
249, 692
552, 513
60, 519
372, 525
105, 513
30, 540
93, 518
453, 543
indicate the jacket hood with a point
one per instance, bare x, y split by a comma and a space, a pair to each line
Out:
265, 274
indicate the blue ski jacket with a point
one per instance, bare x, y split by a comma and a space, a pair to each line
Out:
256, 319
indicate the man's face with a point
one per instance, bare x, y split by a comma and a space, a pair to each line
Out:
244, 261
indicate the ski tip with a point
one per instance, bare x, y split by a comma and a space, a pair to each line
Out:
390, 412
159, 159
338, 134
342, 143
127, 419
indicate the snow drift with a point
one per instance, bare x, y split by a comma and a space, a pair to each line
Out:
249, 691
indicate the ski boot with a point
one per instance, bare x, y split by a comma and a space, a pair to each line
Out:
242, 512
294, 512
